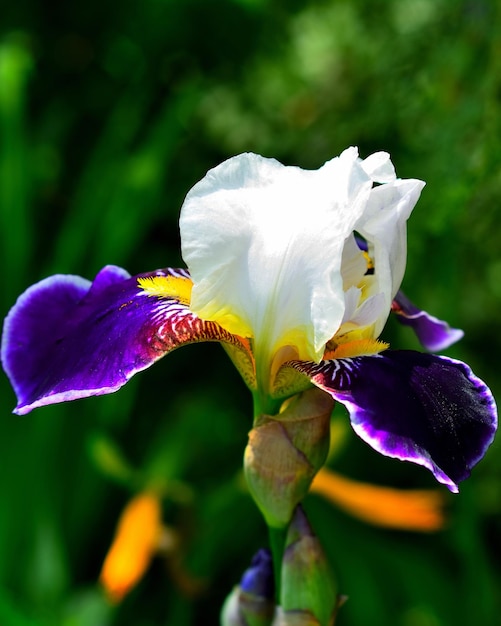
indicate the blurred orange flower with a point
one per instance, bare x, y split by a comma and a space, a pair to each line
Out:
140, 533
417, 510
136, 540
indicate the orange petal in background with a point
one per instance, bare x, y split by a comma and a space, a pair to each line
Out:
136, 540
417, 510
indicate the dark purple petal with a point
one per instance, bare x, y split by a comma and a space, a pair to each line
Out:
258, 578
361, 243
66, 338
433, 334
416, 407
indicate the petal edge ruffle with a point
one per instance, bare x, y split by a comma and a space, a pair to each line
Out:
434, 335
67, 338
416, 407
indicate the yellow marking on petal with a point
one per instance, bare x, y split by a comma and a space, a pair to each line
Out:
177, 287
137, 538
370, 262
284, 354
243, 359
288, 382
358, 347
227, 320
418, 510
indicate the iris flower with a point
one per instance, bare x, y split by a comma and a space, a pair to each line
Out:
294, 272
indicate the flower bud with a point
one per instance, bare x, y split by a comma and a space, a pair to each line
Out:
294, 618
307, 584
306, 418
284, 453
252, 602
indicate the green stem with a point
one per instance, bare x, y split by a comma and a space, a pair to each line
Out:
263, 404
277, 545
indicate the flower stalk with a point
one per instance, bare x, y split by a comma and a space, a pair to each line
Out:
295, 273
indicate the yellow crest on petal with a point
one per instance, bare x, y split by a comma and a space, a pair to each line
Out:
177, 287
350, 349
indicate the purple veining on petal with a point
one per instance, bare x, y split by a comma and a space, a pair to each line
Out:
66, 338
258, 578
434, 334
416, 407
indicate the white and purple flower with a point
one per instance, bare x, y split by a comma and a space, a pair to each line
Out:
295, 272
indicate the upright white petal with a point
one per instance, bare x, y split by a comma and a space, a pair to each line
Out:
379, 167
264, 242
271, 250
353, 263
384, 225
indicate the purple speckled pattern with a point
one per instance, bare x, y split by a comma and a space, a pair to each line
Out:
433, 334
67, 338
416, 407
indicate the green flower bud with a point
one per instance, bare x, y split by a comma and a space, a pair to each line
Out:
307, 584
294, 618
284, 453
306, 418
251, 603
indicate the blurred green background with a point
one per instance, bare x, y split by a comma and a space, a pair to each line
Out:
109, 112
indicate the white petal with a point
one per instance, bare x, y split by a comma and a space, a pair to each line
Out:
351, 300
264, 244
272, 254
353, 263
360, 314
369, 311
379, 167
384, 226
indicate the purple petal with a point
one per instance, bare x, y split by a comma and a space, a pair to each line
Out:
66, 338
416, 407
258, 578
433, 334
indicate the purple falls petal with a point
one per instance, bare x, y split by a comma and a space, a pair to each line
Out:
434, 334
67, 338
416, 407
